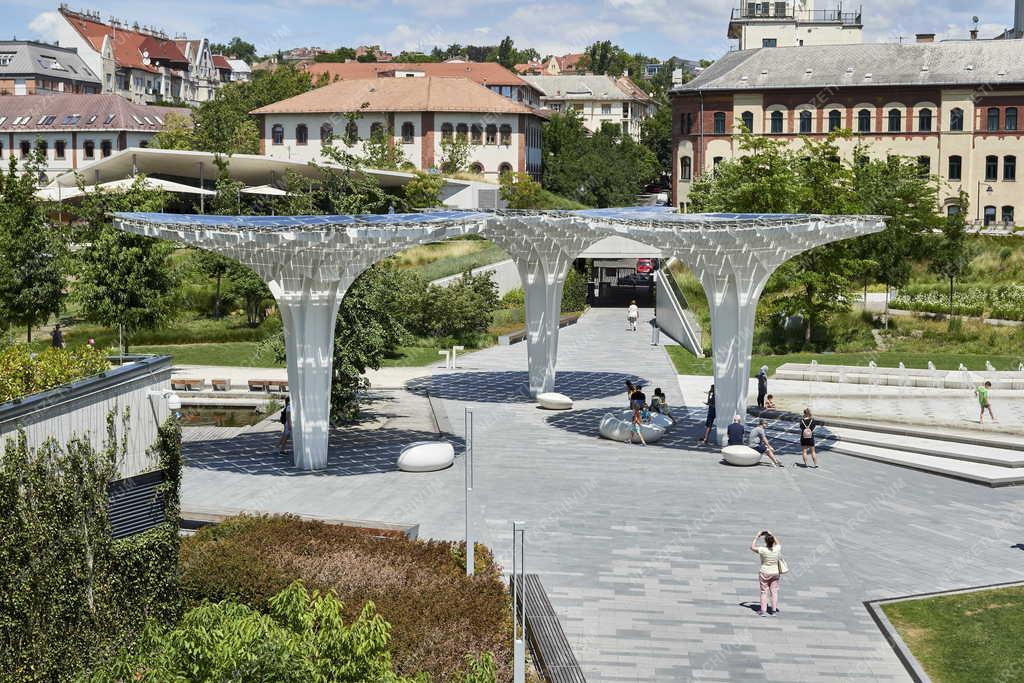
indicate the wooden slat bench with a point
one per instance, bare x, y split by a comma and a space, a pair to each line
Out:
520, 335
186, 384
549, 647
221, 384
279, 386
257, 385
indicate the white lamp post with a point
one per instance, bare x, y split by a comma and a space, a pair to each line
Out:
518, 618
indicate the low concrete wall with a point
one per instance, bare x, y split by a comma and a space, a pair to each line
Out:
506, 276
80, 409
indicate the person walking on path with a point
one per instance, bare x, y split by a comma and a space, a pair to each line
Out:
759, 442
983, 399
735, 431
762, 386
632, 315
807, 426
635, 424
768, 575
709, 421
57, 337
286, 420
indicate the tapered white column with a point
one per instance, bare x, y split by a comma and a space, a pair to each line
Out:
543, 281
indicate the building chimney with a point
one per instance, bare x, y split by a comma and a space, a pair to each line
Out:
974, 34
928, 37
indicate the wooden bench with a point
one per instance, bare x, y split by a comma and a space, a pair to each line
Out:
278, 386
549, 647
520, 335
186, 384
257, 385
221, 384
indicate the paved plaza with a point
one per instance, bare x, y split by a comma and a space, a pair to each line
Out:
644, 551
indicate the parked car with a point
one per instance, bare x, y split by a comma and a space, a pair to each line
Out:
644, 266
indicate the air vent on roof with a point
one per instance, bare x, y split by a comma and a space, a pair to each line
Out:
110, 117
764, 72
743, 78
41, 119
158, 119
1001, 72
924, 67
137, 119
2, 119
969, 67
849, 69
867, 77
808, 72
92, 119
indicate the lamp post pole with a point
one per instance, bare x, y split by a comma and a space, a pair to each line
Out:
518, 603
470, 544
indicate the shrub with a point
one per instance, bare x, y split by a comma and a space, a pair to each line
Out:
574, 293
514, 298
461, 310
22, 374
437, 614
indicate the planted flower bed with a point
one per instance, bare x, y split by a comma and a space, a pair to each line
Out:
22, 374
438, 615
1003, 301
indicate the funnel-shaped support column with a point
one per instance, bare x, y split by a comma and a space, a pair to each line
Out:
543, 280
309, 316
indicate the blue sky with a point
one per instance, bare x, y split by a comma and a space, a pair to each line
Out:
662, 28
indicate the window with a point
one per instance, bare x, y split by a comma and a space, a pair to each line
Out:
504, 168
924, 120
924, 166
716, 161
477, 168
59, 149
447, 131
326, 133
1007, 215
376, 130
492, 134
301, 134
993, 118
956, 119
991, 167
89, 149
953, 210
462, 132
895, 121
26, 148
1009, 167
835, 120
351, 132
955, 167
686, 123
747, 118
408, 133
105, 148
1010, 120
685, 168
43, 147
506, 135
476, 135
143, 143
806, 124
990, 215
719, 123
277, 134
776, 121
864, 121
606, 110
769, 42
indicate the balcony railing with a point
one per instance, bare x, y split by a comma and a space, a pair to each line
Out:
785, 10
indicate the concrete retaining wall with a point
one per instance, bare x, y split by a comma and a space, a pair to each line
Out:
506, 276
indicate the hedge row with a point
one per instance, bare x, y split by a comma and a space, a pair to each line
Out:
1000, 301
22, 374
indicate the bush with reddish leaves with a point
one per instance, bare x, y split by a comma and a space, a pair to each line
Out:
438, 615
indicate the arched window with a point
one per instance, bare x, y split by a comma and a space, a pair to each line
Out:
26, 148
895, 120
326, 133
955, 167
1007, 215
990, 215
924, 165
956, 119
716, 162
89, 149
1010, 121
953, 210
301, 134
864, 121
491, 137
408, 133
42, 146
351, 132
993, 118
685, 168
376, 129
447, 131
1009, 167
747, 118
462, 132
60, 148
835, 120
477, 168
719, 123
476, 135
504, 168
806, 122
924, 120
277, 134
105, 148
506, 134
992, 167
777, 122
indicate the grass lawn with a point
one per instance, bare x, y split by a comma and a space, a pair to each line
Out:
965, 638
413, 356
236, 354
451, 257
688, 364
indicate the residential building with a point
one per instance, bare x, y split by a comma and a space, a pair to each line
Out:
374, 50
240, 71
301, 54
223, 67
75, 130
954, 106
29, 68
415, 114
139, 63
566, 64
794, 23
488, 74
598, 99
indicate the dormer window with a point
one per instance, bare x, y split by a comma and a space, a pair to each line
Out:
110, 117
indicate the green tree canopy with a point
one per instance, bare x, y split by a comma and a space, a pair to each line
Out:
237, 49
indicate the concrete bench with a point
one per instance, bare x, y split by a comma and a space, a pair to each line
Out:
278, 386
554, 401
257, 385
426, 456
520, 335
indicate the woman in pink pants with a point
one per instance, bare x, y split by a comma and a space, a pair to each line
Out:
768, 576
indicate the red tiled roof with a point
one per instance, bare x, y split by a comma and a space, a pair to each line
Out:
126, 42
221, 62
484, 73
161, 49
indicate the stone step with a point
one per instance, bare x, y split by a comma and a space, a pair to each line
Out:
938, 447
979, 472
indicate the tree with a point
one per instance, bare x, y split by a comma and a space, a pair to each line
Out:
423, 191
455, 153
32, 252
342, 54
460, 310
178, 133
381, 152
506, 53
564, 144
951, 255
124, 280
236, 48
247, 285
656, 135
520, 191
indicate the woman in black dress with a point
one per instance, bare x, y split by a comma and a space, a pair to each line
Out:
807, 426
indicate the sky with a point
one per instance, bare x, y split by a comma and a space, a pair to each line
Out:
691, 29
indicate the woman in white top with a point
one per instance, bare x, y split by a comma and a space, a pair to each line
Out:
768, 575
632, 315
